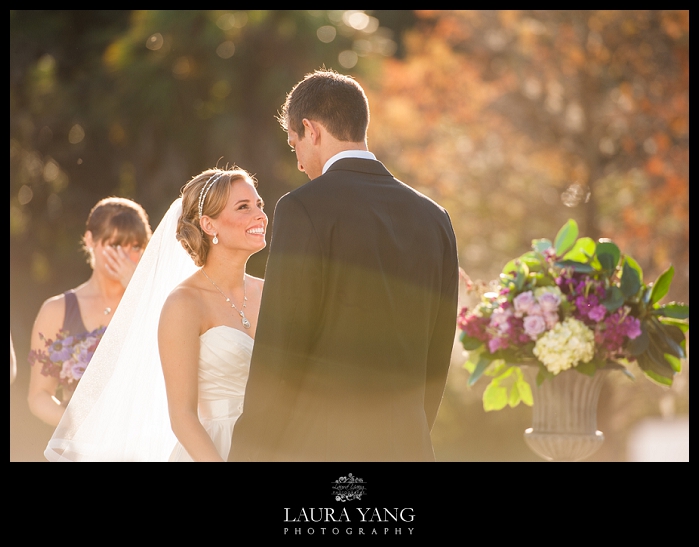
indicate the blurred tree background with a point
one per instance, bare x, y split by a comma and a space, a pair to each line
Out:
513, 120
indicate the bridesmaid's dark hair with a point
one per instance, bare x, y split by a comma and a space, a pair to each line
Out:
212, 187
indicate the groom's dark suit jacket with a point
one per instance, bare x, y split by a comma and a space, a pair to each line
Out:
357, 323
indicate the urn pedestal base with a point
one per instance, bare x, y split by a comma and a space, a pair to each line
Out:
564, 424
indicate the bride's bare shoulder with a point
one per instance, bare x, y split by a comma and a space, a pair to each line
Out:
186, 297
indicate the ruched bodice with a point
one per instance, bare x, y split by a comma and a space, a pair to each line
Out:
224, 363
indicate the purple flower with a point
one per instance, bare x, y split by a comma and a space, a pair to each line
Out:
61, 355
597, 313
78, 369
633, 327
67, 369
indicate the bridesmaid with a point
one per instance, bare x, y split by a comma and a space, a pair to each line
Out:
117, 231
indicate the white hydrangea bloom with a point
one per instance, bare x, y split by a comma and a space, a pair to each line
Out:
566, 345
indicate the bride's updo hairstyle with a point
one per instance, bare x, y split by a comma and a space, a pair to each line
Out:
205, 194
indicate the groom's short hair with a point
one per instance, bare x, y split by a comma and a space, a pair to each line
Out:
335, 100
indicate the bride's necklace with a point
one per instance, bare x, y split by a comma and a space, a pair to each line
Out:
243, 319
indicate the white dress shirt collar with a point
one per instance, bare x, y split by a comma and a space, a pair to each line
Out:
364, 154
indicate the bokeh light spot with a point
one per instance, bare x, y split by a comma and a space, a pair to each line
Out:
575, 194
221, 89
155, 41
326, 34
226, 49
76, 134
348, 58
226, 21
25, 194
358, 20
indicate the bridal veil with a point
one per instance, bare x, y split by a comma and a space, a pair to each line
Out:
119, 409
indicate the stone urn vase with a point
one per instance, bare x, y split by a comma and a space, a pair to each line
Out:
564, 424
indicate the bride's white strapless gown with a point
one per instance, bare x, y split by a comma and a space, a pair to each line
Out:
224, 364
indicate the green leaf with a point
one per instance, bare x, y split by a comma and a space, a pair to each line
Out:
680, 324
521, 277
478, 371
504, 371
494, 397
606, 262
639, 344
608, 254
499, 370
656, 354
614, 300
525, 392
588, 368
675, 332
582, 251
540, 245
658, 378
533, 260
666, 338
580, 267
676, 310
662, 285
566, 237
542, 375
514, 398
630, 282
662, 374
511, 266
470, 343
675, 363
633, 264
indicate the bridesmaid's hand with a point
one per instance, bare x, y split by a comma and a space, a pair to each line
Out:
119, 264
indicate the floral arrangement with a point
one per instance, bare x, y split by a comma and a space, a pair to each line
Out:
570, 304
67, 357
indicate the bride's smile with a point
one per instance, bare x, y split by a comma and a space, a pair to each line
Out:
243, 216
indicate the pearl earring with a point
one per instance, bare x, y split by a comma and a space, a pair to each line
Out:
215, 239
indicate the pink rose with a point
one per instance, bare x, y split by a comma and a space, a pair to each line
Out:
551, 319
523, 302
496, 343
534, 325
499, 320
549, 301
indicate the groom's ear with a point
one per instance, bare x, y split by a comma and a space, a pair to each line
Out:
312, 130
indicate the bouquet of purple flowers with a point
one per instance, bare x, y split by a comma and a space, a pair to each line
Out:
67, 357
571, 304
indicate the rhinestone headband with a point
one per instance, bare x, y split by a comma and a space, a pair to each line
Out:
205, 190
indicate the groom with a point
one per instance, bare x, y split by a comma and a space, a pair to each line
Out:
358, 311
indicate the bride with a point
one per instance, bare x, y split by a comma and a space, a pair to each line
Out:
167, 381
